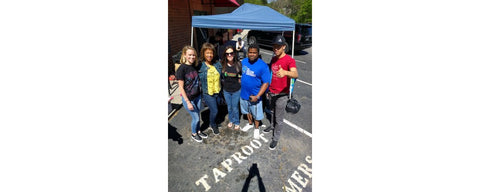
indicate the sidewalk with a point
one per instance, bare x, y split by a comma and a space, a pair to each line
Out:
175, 93
174, 99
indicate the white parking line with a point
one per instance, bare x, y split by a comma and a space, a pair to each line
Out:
301, 61
304, 82
297, 128
264, 52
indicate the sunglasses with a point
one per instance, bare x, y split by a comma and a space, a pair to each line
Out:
231, 53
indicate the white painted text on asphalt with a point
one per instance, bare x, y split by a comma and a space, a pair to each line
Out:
301, 180
227, 163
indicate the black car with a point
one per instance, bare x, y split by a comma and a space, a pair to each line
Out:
303, 37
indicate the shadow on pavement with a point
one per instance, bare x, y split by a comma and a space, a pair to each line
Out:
174, 135
252, 173
173, 107
301, 52
205, 116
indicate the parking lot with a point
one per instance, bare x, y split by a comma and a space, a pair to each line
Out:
233, 160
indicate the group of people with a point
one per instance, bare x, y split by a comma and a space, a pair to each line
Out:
243, 83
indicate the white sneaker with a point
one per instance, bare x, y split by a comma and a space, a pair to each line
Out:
256, 133
247, 127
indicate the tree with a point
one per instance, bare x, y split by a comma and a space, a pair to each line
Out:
298, 10
304, 14
257, 2
282, 6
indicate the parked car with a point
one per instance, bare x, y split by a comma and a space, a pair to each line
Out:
303, 37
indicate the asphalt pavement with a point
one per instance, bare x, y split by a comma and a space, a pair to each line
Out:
233, 160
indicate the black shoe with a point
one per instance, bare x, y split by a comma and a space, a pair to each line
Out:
268, 129
202, 135
215, 130
273, 144
197, 138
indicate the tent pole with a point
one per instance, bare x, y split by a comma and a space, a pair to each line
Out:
292, 80
293, 44
191, 38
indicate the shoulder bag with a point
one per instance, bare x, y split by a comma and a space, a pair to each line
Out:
293, 106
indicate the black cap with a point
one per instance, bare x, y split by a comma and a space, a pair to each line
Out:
279, 40
239, 39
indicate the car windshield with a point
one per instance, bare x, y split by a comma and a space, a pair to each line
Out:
304, 29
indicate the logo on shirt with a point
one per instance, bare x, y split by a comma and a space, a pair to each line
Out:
249, 72
275, 68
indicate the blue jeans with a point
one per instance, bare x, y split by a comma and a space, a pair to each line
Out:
233, 100
195, 113
211, 101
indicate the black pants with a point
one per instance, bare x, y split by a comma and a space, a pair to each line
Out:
276, 104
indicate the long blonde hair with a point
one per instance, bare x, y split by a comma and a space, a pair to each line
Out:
183, 58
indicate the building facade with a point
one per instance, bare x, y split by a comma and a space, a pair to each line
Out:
180, 14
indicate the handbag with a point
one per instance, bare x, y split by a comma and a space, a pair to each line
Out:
221, 98
293, 106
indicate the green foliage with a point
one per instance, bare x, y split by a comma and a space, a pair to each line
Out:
298, 10
304, 14
257, 2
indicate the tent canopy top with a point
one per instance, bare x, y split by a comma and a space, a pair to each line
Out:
247, 16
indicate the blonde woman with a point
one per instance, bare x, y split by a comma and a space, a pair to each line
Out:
189, 84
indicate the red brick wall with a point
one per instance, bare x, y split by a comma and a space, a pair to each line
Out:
180, 14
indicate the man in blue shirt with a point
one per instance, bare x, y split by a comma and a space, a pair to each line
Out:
255, 80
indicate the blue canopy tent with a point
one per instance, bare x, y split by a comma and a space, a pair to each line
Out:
247, 16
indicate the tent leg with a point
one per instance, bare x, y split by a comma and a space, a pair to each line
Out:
293, 43
191, 38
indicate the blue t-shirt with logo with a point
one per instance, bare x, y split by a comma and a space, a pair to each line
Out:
253, 76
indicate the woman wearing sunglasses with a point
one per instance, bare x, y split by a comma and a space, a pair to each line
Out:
231, 74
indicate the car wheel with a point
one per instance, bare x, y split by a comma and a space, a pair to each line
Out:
252, 40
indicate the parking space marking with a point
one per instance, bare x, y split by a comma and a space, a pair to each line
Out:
297, 128
304, 82
300, 61
265, 52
